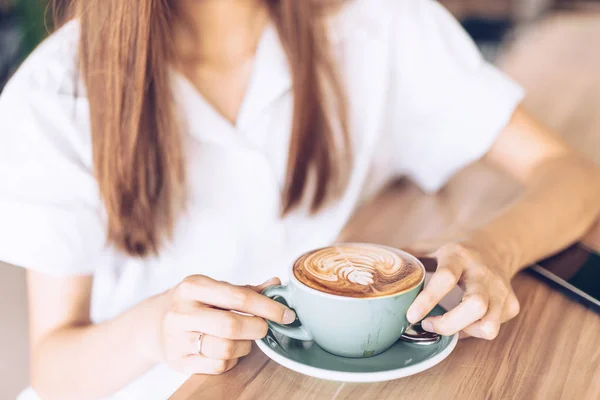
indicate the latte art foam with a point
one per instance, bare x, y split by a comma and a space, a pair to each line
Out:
358, 270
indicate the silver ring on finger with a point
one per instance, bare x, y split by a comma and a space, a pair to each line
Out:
199, 344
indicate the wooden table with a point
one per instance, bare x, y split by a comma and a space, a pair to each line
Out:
551, 350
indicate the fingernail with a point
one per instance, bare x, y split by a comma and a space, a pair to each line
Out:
289, 316
427, 325
413, 315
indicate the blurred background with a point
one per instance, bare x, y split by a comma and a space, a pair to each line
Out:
549, 46
24, 23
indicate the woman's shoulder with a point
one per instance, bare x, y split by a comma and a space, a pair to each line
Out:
377, 16
43, 110
400, 23
51, 67
49, 197
45, 97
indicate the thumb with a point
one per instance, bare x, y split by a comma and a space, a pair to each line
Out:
268, 283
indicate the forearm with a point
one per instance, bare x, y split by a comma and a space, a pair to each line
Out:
560, 204
93, 361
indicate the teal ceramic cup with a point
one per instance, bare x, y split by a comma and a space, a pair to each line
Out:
349, 326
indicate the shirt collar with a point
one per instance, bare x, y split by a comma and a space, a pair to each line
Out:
270, 79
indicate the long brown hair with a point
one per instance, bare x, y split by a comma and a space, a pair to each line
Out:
137, 144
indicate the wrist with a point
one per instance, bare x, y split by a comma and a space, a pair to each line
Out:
147, 329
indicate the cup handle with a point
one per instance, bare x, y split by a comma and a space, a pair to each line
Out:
417, 335
298, 333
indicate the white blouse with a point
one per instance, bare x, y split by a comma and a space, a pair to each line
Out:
423, 104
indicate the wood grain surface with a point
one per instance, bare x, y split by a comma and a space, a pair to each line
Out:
551, 350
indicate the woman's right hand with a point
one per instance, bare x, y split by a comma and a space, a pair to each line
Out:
202, 306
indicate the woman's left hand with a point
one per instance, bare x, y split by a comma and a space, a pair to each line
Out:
488, 301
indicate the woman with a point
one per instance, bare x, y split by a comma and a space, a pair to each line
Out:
158, 157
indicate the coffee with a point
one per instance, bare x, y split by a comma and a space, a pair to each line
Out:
374, 287
358, 270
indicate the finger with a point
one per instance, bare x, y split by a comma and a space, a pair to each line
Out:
263, 286
223, 349
488, 330
243, 299
442, 282
488, 326
511, 309
463, 335
198, 364
472, 308
223, 324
